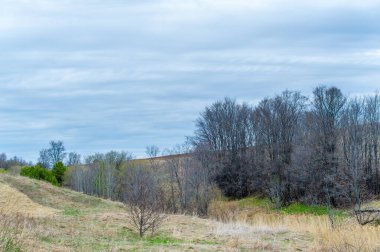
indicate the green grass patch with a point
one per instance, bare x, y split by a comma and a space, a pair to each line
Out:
3, 171
299, 208
47, 239
161, 240
7, 244
71, 211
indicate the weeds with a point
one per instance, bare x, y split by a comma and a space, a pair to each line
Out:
224, 211
13, 231
71, 211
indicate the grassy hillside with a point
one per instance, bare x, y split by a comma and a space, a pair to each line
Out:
50, 218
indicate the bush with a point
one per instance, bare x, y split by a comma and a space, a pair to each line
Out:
40, 173
59, 172
142, 197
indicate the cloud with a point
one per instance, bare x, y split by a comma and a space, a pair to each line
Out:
115, 75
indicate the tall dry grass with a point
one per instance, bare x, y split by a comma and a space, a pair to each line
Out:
347, 235
14, 230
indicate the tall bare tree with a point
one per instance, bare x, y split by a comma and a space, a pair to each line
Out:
328, 107
277, 121
73, 159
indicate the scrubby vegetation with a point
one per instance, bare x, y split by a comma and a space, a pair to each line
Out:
59, 172
87, 223
40, 173
13, 230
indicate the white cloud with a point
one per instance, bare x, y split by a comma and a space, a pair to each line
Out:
121, 75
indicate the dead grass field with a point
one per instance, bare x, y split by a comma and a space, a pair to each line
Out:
57, 219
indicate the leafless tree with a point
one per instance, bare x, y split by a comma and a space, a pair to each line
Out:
101, 176
353, 148
200, 176
152, 151
277, 121
328, 107
3, 160
178, 166
225, 127
142, 198
56, 152
44, 158
73, 159
372, 128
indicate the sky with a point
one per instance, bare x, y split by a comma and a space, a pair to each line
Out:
123, 74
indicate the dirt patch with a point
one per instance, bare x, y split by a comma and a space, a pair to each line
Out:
14, 202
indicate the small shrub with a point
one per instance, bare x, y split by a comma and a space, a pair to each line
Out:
40, 173
142, 198
2, 171
59, 172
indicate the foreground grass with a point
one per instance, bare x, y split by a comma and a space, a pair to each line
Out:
84, 223
77, 222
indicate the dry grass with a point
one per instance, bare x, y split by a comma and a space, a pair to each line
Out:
347, 235
71, 221
15, 202
15, 231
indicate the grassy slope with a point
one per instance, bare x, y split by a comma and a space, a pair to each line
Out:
85, 223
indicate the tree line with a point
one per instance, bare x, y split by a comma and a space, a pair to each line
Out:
318, 150
322, 149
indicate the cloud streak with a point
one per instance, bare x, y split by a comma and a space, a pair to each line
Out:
115, 75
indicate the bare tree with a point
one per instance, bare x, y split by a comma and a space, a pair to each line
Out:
153, 151
372, 123
225, 127
328, 109
73, 159
353, 146
56, 153
200, 176
3, 161
277, 121
178, 168
44, 158
142, 198
102, 174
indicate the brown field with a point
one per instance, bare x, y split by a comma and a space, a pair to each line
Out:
41, 217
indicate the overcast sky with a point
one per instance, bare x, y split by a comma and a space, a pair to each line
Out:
121, 75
